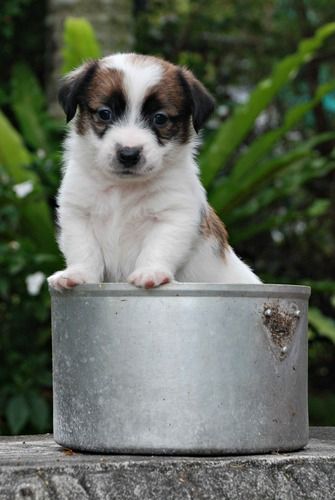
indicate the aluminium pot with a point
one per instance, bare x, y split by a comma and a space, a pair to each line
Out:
186, 368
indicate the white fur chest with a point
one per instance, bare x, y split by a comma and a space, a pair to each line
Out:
120, 221
120, 217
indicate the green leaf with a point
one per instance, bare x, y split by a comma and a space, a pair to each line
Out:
251, 230
291, 179
231, 192
80, 43
39, 411
323, 286
13, 153
15, 158
17, 413
276, 221
319, 207
29, 106
4, 287
264, 144
322, 409
325, 326
231, 134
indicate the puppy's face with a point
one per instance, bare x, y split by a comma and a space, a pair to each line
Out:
135, 112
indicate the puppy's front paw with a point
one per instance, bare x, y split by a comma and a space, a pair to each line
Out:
147, 277
66, 279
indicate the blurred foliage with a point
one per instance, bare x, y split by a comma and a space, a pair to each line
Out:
25, 374
35, 212
267, 160
29, 175
28, 105
80, 43
22, 37
230, 41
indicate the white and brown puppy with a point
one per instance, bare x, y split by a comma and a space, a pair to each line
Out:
131, 206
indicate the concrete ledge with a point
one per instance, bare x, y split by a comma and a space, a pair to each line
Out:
34, 467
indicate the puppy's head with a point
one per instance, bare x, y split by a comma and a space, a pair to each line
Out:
135, 111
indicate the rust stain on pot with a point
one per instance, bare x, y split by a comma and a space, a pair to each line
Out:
281, 324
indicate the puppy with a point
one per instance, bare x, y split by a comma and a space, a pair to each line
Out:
131, 206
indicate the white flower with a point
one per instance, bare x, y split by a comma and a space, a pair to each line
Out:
277, 236
240, 95
41, 154
23, 189
14, 245
262, 120
294, 135
300, 227
214, 123
223, 110
34, 282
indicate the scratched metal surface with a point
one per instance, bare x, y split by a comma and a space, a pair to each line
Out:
182, 369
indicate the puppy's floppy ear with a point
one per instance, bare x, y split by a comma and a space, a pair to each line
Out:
73, 88
202, 103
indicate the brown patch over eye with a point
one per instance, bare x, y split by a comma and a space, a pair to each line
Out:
106, 82
168, 98
104, 91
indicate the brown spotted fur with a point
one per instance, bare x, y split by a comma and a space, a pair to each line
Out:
211, 226
104, 82
170, 92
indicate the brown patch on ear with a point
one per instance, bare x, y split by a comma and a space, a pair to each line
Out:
201, 100
211, 226
74, 86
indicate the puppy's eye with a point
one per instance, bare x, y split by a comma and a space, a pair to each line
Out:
160, 119
104, 114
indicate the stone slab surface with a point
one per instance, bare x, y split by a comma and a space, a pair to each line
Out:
36, 468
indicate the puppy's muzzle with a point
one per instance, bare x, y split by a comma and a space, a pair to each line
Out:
129, 157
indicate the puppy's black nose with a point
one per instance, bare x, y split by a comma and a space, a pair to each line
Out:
129, 156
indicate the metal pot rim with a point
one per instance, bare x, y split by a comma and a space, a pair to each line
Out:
188, 289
